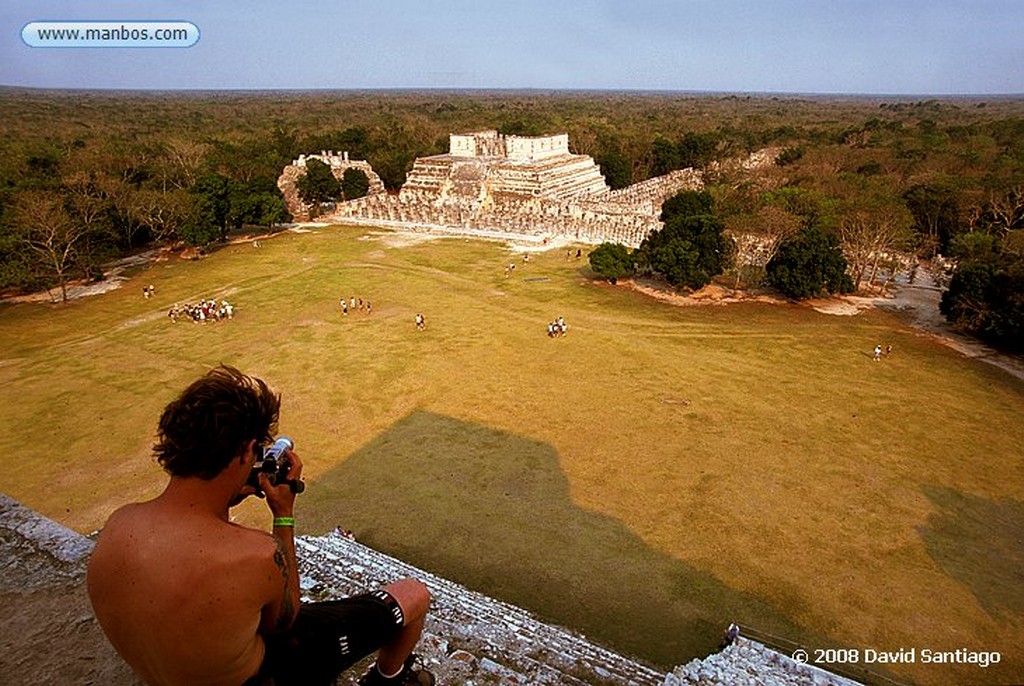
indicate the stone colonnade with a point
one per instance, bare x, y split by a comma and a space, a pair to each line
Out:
626, 216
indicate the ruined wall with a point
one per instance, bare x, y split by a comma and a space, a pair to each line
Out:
493, 144
485, 166
537, 147
338, 162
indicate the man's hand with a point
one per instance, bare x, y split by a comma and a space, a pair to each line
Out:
281, 498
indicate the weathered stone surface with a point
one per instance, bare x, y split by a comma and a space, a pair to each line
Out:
469, 640
749, 663
338, 162
528, 186
508, 645
36, 549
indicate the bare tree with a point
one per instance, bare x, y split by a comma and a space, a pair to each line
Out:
856, 235
1006, 211
162, 213
185, 157
871, 237
47, 229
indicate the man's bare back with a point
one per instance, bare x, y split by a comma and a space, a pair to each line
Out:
200, 584
190, 599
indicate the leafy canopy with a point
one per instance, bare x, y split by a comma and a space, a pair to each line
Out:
612, 261
692, 247
318, 185
986, 295
807, 264
354, 183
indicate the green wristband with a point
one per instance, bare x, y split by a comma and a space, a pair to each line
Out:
284, 521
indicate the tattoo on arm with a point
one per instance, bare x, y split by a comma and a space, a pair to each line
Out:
288, 609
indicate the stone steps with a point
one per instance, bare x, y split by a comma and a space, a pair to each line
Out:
468, 633
469, 639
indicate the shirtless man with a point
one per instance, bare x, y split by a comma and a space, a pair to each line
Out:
188, 597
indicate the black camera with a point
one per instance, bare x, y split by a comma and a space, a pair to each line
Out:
272, 461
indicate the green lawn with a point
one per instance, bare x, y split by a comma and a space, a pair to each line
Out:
655, 474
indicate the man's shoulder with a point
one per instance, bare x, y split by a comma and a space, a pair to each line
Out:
122, 519
254, 542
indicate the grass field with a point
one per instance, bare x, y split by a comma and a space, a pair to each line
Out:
658, 473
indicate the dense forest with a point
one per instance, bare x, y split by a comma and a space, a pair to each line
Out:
89, 176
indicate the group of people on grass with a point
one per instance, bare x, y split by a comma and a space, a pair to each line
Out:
203, 311
878, 352
558, 327
354, 304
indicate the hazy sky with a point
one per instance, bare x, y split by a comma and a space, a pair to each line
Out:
910, 47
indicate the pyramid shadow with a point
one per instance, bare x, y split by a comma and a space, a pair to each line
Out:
492, 510
978, 543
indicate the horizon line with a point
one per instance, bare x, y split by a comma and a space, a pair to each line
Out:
509, 90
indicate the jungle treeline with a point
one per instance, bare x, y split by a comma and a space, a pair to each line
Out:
89, 176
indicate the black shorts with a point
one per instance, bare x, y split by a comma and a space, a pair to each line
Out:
328, 638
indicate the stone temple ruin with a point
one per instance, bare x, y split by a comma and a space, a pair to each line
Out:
338, 162
488, 182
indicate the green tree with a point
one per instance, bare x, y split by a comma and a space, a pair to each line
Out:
687, 204
691, 248
272, 210
16, 267
936, 211
354, 183
974, 247
319, 184
809, 263
613, 261
986, 294
214, 193
696, 149
665, 155
617, 169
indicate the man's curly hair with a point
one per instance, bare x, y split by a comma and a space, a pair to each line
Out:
202, 430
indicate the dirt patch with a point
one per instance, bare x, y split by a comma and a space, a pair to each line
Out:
845, 306
712, 294
399, 239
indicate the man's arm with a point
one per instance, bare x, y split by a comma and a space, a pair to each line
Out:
279, 615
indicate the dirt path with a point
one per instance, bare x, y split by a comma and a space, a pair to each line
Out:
919, 302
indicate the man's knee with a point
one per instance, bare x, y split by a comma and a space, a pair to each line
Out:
412, 596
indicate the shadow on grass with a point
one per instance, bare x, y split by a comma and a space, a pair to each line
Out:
493, 511
978, 542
